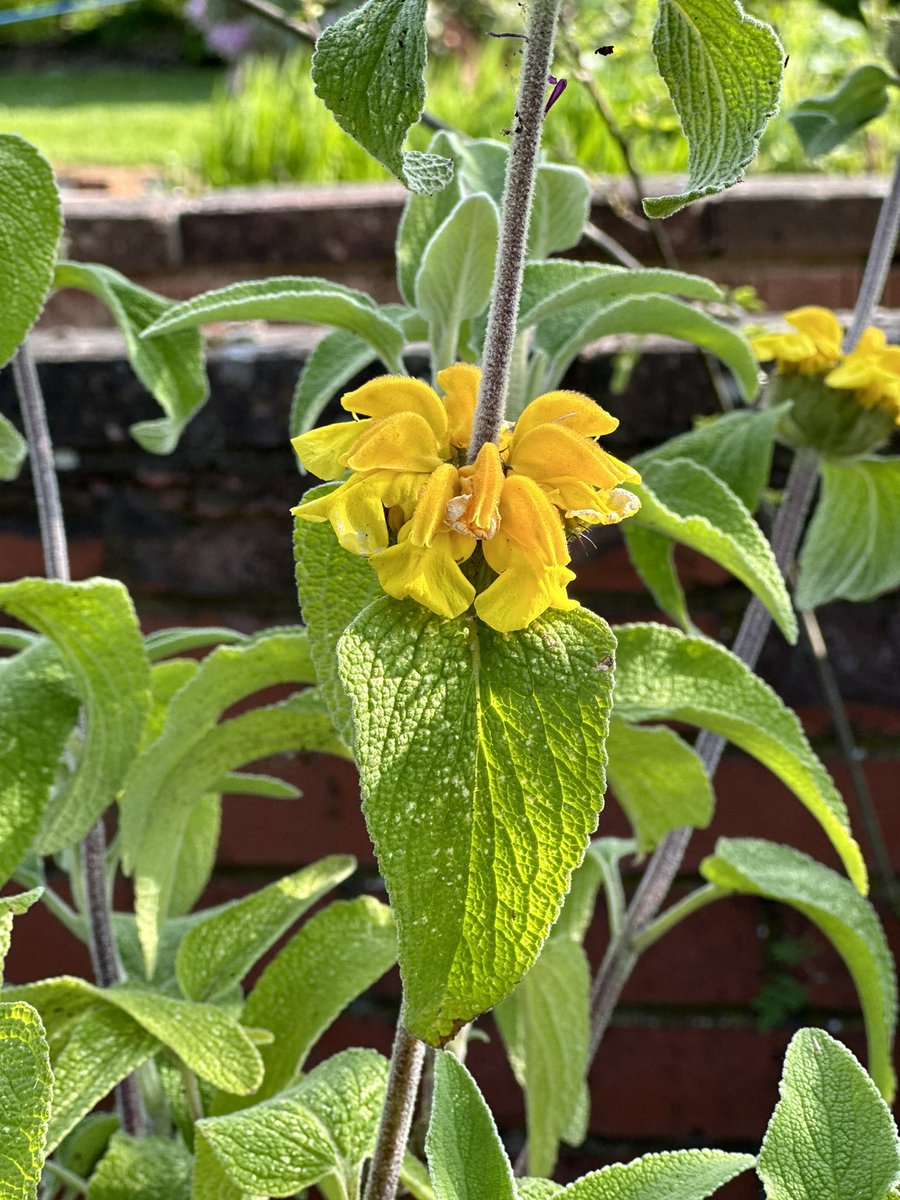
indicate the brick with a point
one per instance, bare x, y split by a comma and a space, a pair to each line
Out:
20, 556
42, 947
133, 236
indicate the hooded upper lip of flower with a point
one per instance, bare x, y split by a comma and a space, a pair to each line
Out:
872, 371
811, 350
406, 457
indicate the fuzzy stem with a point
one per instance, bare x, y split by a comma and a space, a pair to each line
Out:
518, 193
102, 943
878, 264
396, 1116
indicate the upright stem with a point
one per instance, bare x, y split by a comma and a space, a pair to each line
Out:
396, 1116
102, 943
881, 255
518, 194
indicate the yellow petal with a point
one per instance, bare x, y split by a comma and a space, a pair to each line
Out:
550, 452
403, 441
529, 526
476, 510
390, 394
323, 451
356, 513
431, 506
785, 347
427, 574
460, 384
821, 325
852, 373
520, 596
871, 341
579, 413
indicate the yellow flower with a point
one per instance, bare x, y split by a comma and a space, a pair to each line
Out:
812, 350
872, 371
419, 511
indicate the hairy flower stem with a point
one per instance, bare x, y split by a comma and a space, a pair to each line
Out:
518, 193
622, 954
396, 1116
878, 264
102, 943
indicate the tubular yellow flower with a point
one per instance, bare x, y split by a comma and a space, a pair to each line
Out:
413, 505
872, 371
813, 349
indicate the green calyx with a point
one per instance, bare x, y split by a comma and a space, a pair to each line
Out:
828, 420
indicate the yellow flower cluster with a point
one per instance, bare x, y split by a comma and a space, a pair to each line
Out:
418, 512
871, 370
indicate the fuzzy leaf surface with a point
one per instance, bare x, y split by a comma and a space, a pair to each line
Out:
13, 450
824, 122
665, 675
675, 1174
482, 766
562, 202
196, 854
423, 215
25, 1088
831, 1133
332, 363
752, 866
171, 368
461, 1134
30, 227
723, 69
148, 1168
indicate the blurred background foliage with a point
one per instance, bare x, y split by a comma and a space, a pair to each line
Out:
221, 99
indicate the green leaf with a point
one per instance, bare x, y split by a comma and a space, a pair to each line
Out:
456, 277
94, 627
658, 780
824, 122
105, 1046
168, 642
578, 907
755, 867
13, 906
664, 675
60, 1002
243, 783
537, 1189
368, 68
545, 1025
465, 1155
691, 505
80, 1150
852, 546
675, 1174
333, 362
560, 210
13, 450
737, 447
653, 557
333, 587
148, 1168
550, 288
831, 1133
337, 954
324, 1126
218, 951
38, 711
25, 1085
723, 70
30, 227
196, 854
171, 368
290, 298
481, 761
423, 215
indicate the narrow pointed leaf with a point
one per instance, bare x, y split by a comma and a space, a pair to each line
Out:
218, 952
831, 1133
665, 675
166, 643
723, 70
852, 546
246, 783
368, 68
333, 362
94, 627
652, 555
147, 1168
289, 298
481, 760
675, 1174
424, 214
30, 228
196, 854
755, 867
466, 1158
25, 1089
824, 122
171, 368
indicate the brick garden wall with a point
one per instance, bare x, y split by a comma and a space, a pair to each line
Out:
203, 536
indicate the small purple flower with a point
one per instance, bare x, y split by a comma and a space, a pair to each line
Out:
230, 39
559, 86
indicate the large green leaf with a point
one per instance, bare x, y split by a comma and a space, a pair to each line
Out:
333, 586
675, 1174
659, 781
38, 710
653, 557
455, 279
831, 1133
13, 450
218, 951
289, 298
325, 1126
170, 367
337, 954
332, 363
94, 627
665, 675
723, 70
368, 68
25, 1084
196, 854
13, 906
30, 226
466, 1158
148, 1168
824, 122
559, 211
852, 547
423, 214
481, 760
755, 867
689, 504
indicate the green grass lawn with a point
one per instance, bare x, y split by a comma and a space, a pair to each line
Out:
110, 117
